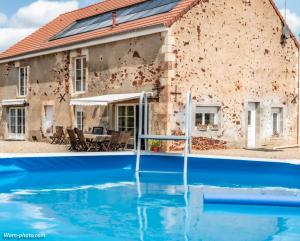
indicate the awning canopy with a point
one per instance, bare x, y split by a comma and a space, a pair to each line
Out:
13, 102
106, 99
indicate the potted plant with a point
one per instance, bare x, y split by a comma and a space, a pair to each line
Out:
155, 145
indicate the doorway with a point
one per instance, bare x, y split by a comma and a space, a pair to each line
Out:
252, 114
127, 119
48, 120
16, 123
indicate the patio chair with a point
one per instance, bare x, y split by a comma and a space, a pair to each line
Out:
110, 132
112, 143
59, 136
73, 141
84, 144
123, 141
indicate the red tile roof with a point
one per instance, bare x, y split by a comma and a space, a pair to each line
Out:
39, 40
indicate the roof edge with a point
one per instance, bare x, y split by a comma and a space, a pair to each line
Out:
284, 22
110, 38
184, 11
196, 2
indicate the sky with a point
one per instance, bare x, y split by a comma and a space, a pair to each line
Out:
18, 18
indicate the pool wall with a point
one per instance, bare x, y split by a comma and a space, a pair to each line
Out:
149, 162
208, 170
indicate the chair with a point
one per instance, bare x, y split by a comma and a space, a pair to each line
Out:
59, 136
124, 139
112, 143
36, 136
110, 132
85, 145
74, 142
98, 130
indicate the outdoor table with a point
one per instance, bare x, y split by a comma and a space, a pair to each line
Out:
98, 138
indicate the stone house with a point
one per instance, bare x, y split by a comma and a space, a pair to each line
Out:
237, 57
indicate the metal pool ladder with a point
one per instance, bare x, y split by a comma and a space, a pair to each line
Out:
187, 137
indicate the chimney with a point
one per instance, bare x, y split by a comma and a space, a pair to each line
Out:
114, 19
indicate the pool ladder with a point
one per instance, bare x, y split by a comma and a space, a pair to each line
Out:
187, 137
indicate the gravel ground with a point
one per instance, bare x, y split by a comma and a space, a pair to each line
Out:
30, 147
16, 147
293, 153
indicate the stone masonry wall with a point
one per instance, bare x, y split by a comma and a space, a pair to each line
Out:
229, 53
127, 66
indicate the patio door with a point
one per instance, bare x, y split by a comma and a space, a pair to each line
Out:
126, 120
16, 123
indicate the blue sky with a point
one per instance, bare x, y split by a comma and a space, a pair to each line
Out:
18, 18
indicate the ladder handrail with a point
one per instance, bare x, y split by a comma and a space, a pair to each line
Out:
138, 155
187, 133
187, 137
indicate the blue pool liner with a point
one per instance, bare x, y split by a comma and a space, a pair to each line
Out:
10, 169
256, 200
208, 170
250, 210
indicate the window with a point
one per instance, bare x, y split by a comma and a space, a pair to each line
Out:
79, 118
79, 74
23, 78
276, 121
126, 120
207, 117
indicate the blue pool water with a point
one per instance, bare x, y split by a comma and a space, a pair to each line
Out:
86, 200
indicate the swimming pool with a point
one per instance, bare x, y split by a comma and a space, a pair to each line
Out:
100, 197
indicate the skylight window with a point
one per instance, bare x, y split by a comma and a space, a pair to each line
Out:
138, 11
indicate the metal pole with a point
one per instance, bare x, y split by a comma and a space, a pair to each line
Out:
187, 215
146, 119
285, 10
298, 142
138, 155
186, 147
190, 122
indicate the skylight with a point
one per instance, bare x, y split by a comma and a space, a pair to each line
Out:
138, 11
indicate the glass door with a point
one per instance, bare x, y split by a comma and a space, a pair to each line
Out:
16, 124
126, 120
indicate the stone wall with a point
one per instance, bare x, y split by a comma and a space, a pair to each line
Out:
229, 53
127, 66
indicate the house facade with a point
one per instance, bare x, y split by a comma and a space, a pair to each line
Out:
233, 56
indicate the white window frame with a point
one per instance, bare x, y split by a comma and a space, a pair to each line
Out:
83, 72
207, 110
278, 111
26, 77
79, 111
